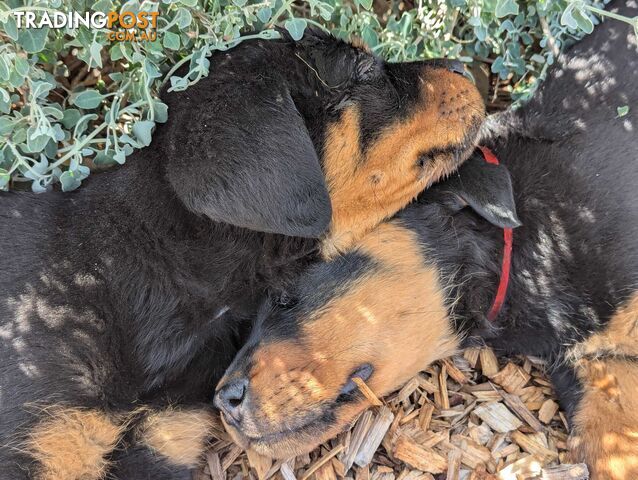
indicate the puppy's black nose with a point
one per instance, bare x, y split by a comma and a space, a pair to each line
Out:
230, 398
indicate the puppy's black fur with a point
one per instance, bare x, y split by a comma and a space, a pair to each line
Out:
134, 289
569, 173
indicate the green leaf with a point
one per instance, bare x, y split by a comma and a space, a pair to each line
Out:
160, 110
5, 102
369, 36
6, 126
264, 14
11, 28
537, 58
33, 39
240, 3
171, 41
583, 21
103, 6
5, 68
622, 111
178, 83
183, 18
69, 181
53, 110
89, 98
4, 178
22, 66
505, 8
19, 134
151, 70
142, 131
326, 11
40, 89
103, 158
36, 141
96, 54
295, 27
117, 51
120, 157
367, 4
70, 118
567, 18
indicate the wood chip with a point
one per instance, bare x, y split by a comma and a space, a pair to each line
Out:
444, 398
474, 454
426, 384
215, 466
489, 363
231, 456
506, 427
531, 445
359, 434
363, 473
407, 390
454, 464
287, 472
374, 436
520, 409
369, 394
425, 416
259, 463
525, 467
326, 472
472, 356
512, 378
454, 372
498, 417
547, 411
419, 457
321, 462
576, 471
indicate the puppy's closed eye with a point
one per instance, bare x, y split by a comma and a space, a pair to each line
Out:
364, 372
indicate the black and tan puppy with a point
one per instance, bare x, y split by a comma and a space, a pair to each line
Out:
127, 294
419, 287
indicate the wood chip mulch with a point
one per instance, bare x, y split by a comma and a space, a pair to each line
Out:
470, 417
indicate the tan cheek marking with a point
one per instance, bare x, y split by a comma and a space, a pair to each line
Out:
605, 433
72, 445
365, 191
180, 436
396, 319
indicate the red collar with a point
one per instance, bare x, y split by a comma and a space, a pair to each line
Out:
501, 292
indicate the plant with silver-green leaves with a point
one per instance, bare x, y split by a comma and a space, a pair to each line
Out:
72, 98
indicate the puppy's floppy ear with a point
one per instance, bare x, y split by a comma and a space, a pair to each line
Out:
484, 187
239, 152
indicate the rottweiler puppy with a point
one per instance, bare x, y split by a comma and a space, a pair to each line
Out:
422, 285
130, 294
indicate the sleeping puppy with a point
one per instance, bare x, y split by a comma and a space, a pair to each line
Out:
130, 294
424, 284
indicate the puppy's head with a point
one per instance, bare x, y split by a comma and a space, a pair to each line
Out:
378, 312
301, 137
